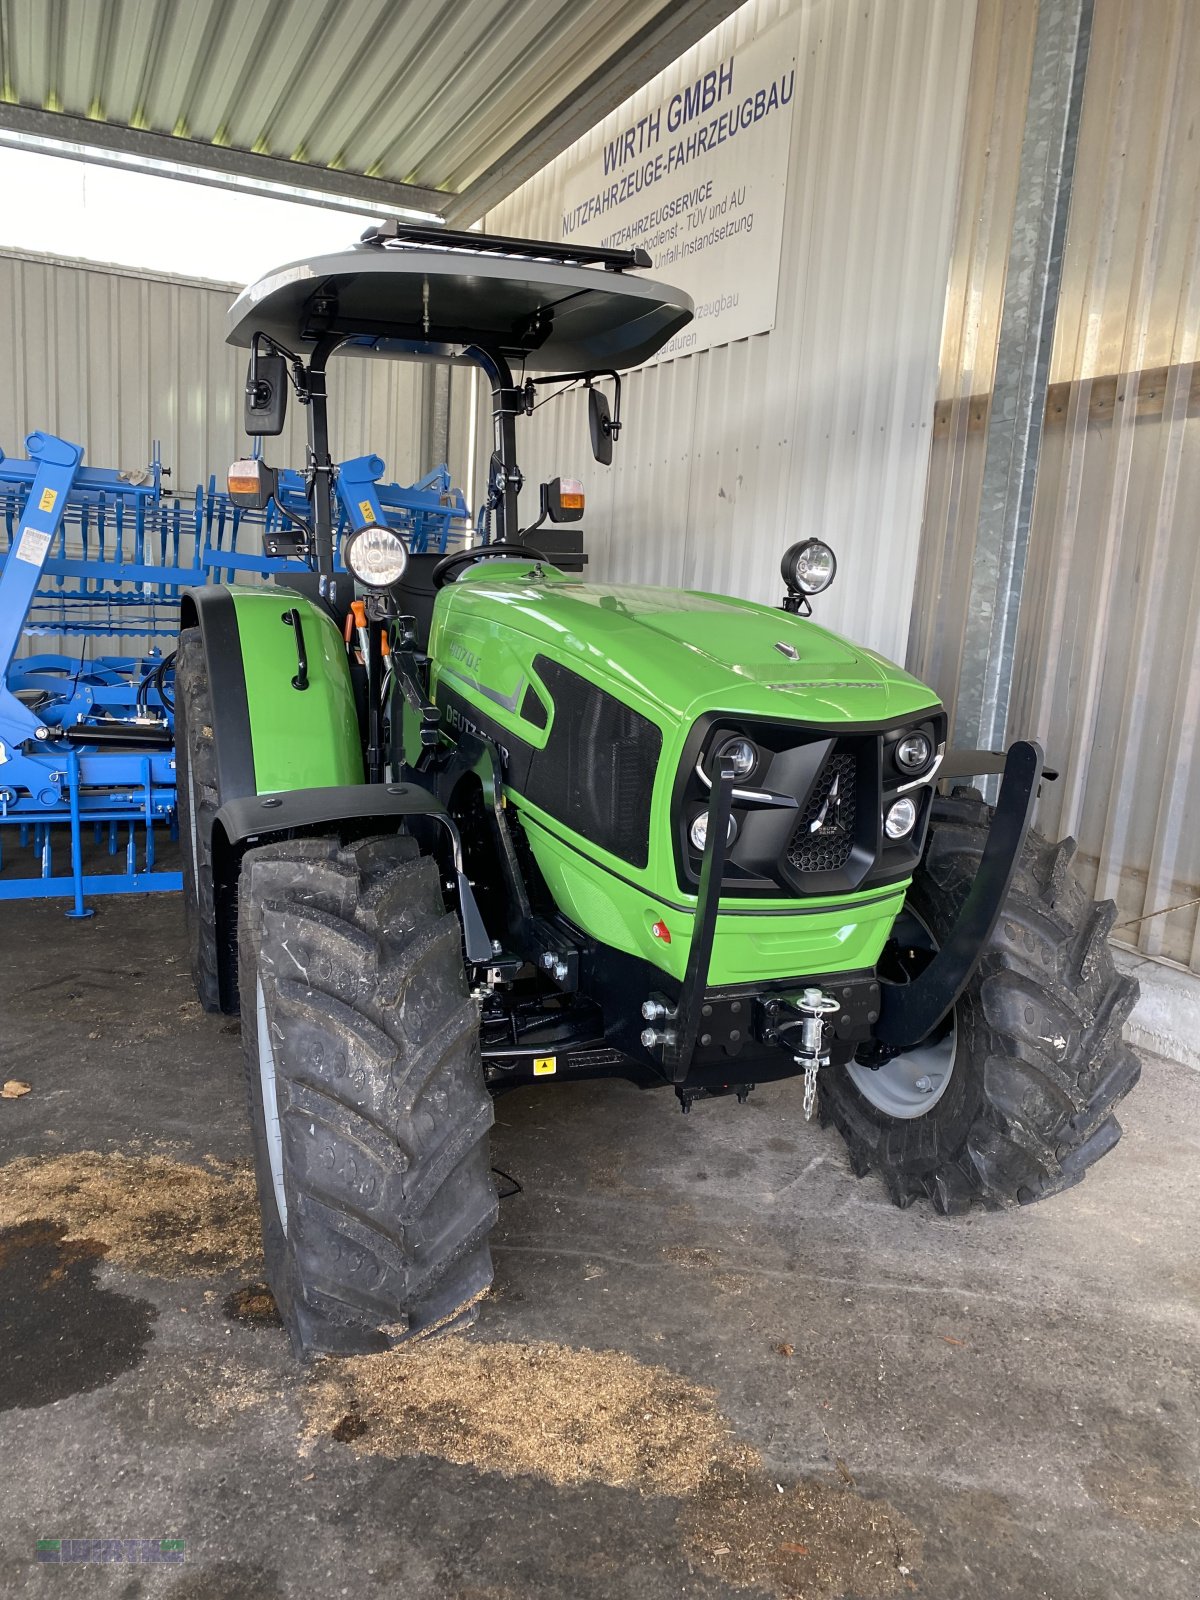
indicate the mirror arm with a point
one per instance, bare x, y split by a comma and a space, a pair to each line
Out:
298, 374
615, 422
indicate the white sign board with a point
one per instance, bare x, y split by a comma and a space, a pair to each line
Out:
699, 181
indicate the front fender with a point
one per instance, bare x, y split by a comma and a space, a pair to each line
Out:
271, 736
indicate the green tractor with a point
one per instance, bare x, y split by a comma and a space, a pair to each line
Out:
455, 825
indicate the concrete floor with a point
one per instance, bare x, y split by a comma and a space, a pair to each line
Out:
1022, 1387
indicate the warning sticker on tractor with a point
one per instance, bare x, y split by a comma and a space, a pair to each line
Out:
33, 545
543, 1065
48, 500
367, 509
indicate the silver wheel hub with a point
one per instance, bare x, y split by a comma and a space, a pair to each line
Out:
912, 1083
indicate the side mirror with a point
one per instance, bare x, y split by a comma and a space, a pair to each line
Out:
266, 396
251, 484
600, 426
562, 500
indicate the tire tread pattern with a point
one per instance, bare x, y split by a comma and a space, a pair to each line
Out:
384, 1113
1040, 1037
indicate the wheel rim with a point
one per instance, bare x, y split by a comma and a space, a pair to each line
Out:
270, 1102
912, 1083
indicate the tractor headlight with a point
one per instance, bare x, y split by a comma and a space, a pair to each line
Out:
901, 816
809, 566
376, 556
698, 832
913, 752
740, 754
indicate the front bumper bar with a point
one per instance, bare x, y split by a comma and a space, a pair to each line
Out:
908, 1012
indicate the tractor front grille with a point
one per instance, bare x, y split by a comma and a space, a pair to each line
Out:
823, 838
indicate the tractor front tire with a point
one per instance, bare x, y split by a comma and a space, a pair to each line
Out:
367, 1099
1038, 1056
198, 803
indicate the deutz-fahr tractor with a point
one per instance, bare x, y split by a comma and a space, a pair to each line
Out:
464, 823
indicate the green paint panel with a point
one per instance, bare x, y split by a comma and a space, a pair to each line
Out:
774, 941
303, 739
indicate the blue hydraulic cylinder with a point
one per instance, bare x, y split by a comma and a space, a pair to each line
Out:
57, 464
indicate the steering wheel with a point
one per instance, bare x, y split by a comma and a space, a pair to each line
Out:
447, 568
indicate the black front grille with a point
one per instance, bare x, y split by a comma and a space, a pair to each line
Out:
824, 836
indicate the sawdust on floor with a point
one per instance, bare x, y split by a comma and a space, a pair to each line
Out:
601, 1416
150, 1213
570, 1416
254, 1306
209, 1391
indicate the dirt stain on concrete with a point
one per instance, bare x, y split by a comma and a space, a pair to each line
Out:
581, 1417
1141, 1478
60, 1332
149, 1213
810, 1540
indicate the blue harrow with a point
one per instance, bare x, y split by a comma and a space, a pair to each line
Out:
86, 741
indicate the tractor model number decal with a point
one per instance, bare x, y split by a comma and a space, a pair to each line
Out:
543, 1065
824, 683
33, 545
468, 657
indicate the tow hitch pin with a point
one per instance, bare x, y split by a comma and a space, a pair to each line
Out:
814, 1005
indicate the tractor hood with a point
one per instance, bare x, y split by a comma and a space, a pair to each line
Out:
682, 651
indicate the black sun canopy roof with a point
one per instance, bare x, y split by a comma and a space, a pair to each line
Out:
429, 291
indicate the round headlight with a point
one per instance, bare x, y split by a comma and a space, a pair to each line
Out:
376, 556
913, 752
698, 832
809, 566
740, 754
899, 821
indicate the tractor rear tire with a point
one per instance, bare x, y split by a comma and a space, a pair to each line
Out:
198, 803
1038, 1056
367, 1098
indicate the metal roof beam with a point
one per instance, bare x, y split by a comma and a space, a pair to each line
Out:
657, 45
272, 177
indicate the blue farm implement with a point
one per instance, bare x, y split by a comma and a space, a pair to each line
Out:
86, 741
79, 744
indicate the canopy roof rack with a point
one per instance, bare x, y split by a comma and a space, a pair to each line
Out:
395, 235
411, 291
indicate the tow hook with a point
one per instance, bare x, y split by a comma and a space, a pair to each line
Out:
814, 1005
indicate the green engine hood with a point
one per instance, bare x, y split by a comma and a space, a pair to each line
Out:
681, 651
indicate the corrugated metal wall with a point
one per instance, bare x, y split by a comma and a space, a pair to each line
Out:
113, 359
1108, 652
820, 427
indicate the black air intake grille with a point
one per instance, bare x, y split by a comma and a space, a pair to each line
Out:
596, 773
824, 836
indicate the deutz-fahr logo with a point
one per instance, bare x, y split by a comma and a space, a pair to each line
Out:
462, 724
